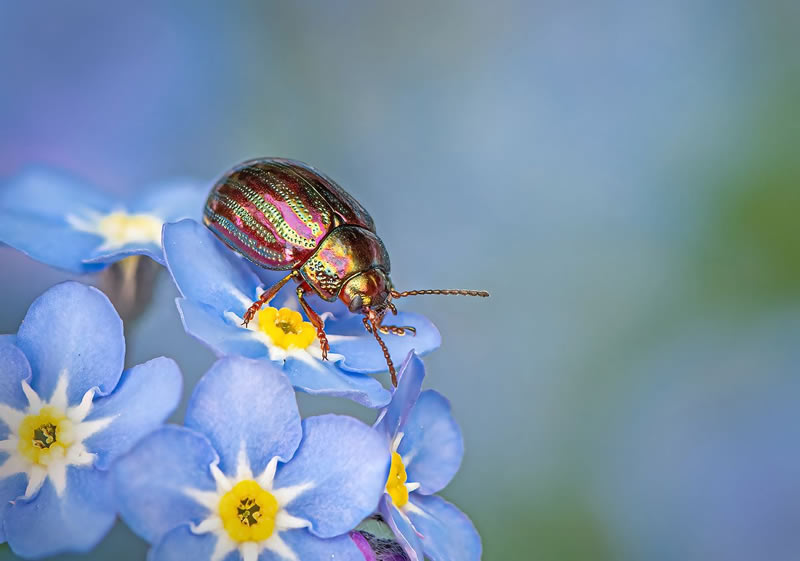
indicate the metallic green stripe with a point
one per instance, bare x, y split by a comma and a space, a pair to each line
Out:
234, 232
247, 218
273, 215
294, 202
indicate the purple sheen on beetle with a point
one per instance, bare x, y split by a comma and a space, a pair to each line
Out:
374, 548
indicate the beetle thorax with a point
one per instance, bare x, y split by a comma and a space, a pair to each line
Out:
345, 254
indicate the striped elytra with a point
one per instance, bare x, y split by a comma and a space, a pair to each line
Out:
276, 212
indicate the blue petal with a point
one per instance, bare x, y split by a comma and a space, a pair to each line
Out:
53, 243
447, 533
432, 446
168, 202
51, 193
14, 368
173, 200
409, 383
73, 329
362, 352
307, 546
107, 256
326, 379
246, 403
146, 395
150, 481
77, 521
347, 462
33, 209
207, 325
403, 530
180, 544
10, 488
205, 270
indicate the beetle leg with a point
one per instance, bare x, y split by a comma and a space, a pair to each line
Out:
315, 320
372, 324
265, 297
392, 307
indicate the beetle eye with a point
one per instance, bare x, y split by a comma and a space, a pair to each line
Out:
356, 304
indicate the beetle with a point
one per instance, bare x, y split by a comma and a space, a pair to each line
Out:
285, 215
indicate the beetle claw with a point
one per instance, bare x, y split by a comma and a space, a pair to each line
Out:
248, 317
323, 343
396, 330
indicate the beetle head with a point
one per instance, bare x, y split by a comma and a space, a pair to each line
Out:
369, 289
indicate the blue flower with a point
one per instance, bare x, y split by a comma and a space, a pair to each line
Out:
67, 411
66, 223
247, 479
427, 449
218, 286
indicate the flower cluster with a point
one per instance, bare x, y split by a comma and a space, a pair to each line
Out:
67, 412
83, 441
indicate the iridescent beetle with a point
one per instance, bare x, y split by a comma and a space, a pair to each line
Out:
285, 215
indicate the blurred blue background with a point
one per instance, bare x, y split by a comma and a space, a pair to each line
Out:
622, 176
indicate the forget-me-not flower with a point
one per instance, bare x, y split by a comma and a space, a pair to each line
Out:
427, 449
67, 411
218, 286
65, 222
247, 479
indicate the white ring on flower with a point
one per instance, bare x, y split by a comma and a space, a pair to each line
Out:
119, 228
311, 355
249, 550
76, 454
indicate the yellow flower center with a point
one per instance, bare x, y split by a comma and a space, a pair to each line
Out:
45, 436
120, 228
396, 484
248, 512
286, 327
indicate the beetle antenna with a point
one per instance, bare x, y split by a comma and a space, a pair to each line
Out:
459, 292
372, 320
